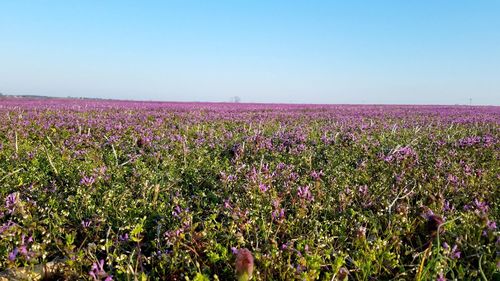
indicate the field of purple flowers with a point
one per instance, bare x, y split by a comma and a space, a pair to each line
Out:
171, 191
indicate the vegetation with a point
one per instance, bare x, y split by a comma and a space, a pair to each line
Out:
172, 191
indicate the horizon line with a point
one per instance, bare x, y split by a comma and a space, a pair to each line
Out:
40, 96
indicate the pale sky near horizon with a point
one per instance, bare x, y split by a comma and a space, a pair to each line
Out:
396, 52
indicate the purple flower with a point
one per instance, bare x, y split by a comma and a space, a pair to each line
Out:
452, 179
123, 237
455, 253
441, 277
231, 178
86, 224
281, 166
278, 214
234, 250
363, 190
87, 181
23, 250
177, 212
469, 141
293, 176
481, 206
317, 175
227, 204
401, 154
6, 226
491, 225
11, 201
447, 206
304, 193
13, 254
263, 188
97, 271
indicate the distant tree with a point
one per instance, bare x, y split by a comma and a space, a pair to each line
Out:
235, 99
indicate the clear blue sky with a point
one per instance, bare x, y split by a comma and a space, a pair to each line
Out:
401, 51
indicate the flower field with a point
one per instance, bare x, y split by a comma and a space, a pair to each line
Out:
116, 190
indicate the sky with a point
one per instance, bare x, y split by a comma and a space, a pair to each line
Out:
290, 51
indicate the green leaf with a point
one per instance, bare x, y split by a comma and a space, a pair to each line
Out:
201, 277
70, 239
135, 234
